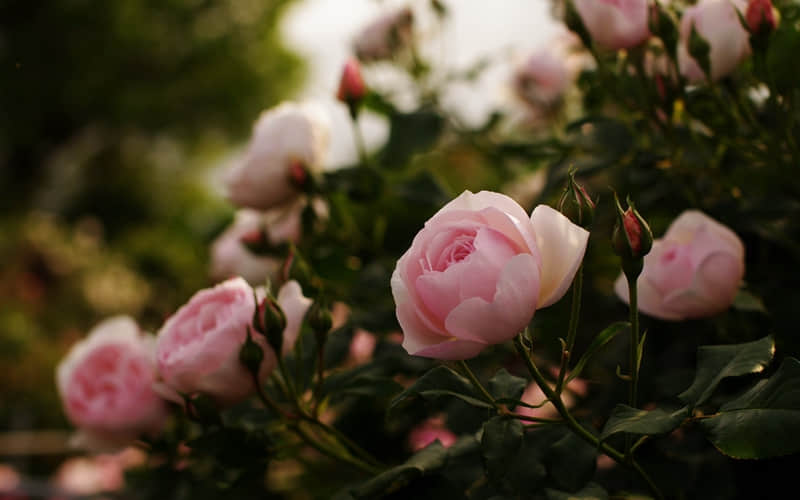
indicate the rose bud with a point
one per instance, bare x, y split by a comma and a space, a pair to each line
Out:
284, 314
576, 204
615, 24
717, 24
351, 86
477, 272
694, 271
106, 386
385, 36
198, 346
761, 17
283, 138
632, 238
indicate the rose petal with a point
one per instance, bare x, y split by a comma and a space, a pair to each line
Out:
294, 305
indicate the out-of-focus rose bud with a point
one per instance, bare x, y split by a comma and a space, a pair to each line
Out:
385, 36
761, 17
576, 204
283, 137
198, 346
717, 24
427, 432
694, 271
320, 319
283, 315
615, 24
477, 272
105, 383
632, 238
351, 86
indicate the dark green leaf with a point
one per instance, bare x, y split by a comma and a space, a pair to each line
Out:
571, 462
634, 421
506, 386
746, 301
442, 381
715, 363
501, 440
411, 133
762, 423
599, 341
781, 56
430, 459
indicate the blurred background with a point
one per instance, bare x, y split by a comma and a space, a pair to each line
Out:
117, 120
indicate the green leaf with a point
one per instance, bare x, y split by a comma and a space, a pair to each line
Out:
501, 440
571, 462
764, 422
438, 382
781, 57
634, 421
598, 343
746, 301
506, 386
426, 461
411, 133
592, 491
714, 363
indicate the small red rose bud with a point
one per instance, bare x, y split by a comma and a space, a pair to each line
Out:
351, 86
760, 17
631, 239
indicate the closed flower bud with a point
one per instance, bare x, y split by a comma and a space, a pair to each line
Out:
320, 319
273, 321
761, 17
251, 354
631, 239
576, 203
351, 86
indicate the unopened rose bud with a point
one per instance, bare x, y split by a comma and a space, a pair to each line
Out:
631, 239
576, 203
762, 19
320, 319
273, 321
251, 354
351, 86
296, 268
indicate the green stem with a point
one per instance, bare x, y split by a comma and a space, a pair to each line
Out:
348, 443
347, 458
572, 330
577, 428
289, 382
476, 383
634, 351
361, 146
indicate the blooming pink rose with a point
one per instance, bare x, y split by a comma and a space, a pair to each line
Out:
105, 383
615, 24
198, 346
478, 270
542, 79
383, 37
717, 22
692, 272
287, 140
429, 431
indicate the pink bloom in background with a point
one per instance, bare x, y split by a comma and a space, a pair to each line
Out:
542, 79
694, 271
105, 383
534, 396
386, 35
96, 474
284, 137
429, 431
229, 255
477, 272
615, 24
362, 346
9, 480
717, 22
294, 305
351, 86
198, 346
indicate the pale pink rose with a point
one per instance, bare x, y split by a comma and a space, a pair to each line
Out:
429, 431
383, 37
717, 22
105, 383
477, 272
287, 140
692, 272
362, 346
198, 346
615, 24
542, 79
294, 305
231, 257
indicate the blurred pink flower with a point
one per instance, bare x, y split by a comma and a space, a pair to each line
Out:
429, 431
383, 37
362, 346
615, 24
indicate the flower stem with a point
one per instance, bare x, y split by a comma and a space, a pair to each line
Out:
361, 146
577, 428
476, 383
572, 330
351, 445
634, 351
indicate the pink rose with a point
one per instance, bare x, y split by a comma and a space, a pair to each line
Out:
198, 346
427, 432
692, 272
287, 140
477, 272
615, 24
351, 85
542, 79
105, 383
717, 22
382, 38
295, 306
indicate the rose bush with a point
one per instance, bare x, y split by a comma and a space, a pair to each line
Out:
615, 24
692, 272
287, 140
384, 36
478, 270
105, 383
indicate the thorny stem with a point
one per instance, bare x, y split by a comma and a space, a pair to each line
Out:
572, 331
577, 428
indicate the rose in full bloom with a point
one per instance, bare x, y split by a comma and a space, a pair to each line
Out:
198, 346
105, 383
694, 271
287, 141
382, 38
477, 272
717, 22
615, 24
